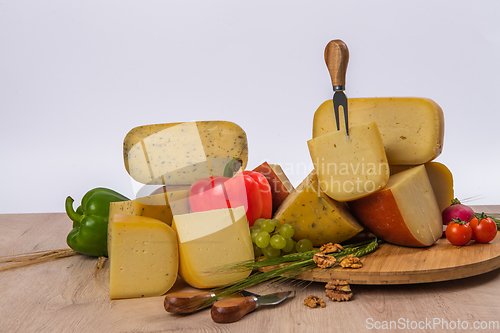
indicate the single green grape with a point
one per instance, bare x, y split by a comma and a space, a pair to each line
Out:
257, 251
290, 245
267, 225
286, 231
277, 224
304, 245
258, 222
277, 241
254, 227
262, 239
270, 251
254, 234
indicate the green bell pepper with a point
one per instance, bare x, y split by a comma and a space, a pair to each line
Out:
90, 221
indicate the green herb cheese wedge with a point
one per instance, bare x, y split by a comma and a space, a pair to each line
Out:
315, 216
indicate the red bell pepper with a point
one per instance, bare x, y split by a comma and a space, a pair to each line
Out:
248, 189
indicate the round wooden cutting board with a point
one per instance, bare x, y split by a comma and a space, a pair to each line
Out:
391, 264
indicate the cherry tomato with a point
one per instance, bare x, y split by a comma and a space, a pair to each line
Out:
484, 230
458, 234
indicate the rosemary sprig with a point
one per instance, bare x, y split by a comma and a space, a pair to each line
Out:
288, 266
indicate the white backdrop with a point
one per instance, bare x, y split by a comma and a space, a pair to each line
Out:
76, 76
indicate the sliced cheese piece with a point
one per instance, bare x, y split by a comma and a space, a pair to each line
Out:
281, 186
405, 212
412, 129
160, 206
144, 258
316, 216
441, 180
180, 153
350, 167
209, 241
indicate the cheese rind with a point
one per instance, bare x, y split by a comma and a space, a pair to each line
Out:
281, 186
143, 257
412, 129
441, 180
316, 216
210, 240
350, 167
405, 212
180, 153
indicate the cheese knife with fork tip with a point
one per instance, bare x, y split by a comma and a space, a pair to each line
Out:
337, 58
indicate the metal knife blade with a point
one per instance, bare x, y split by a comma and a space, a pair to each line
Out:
231, 310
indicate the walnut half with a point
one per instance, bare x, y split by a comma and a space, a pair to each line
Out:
338, 290
330, 248
313, 301
351, 261
324, 261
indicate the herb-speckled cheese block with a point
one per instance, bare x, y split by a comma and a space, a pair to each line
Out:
412, 129
143, 256
181, 153
316, 216
209, 241
441, 180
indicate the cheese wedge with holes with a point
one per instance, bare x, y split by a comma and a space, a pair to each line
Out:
180, 153
350, 167
316, 216
209, 241
412, 129
281, 186
405, 212
441, 180
143, 257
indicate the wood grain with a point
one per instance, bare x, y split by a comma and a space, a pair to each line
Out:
233, 309
337, 59
392, 264
66, 296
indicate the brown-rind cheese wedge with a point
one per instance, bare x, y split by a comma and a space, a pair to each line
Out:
405, 212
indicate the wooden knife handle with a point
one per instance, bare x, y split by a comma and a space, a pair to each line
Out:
187, 302
231, 310
336, 58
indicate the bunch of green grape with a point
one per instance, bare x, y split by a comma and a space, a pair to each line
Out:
270, 239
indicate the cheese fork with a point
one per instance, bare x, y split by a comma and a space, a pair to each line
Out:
336, 58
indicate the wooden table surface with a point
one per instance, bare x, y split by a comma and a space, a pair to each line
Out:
66, 295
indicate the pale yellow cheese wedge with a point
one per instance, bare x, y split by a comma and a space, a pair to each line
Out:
316, 216
160, 206
143, 256
412, 129
180, 153
350, 167
209, 241
405, 212
441, 180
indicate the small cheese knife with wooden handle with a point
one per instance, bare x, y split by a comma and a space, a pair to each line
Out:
185, 302
231, 310
337, 58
